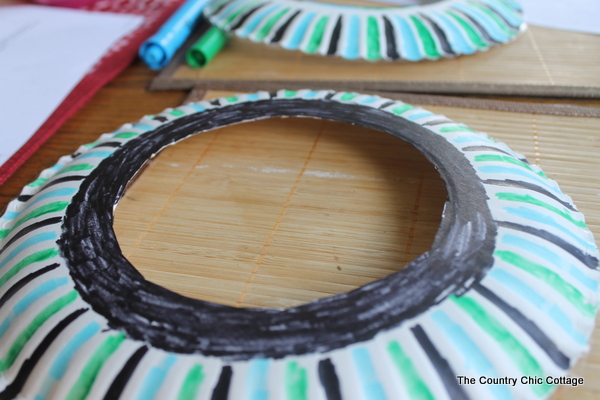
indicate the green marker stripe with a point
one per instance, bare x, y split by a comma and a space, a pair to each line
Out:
499, 21
348, 96
416, 387
428, 42
78, 167
552, 279
507, 159
177, 113
126, 135
514, 349
373, 45
401, 109
32, 328
236, 13
191, 383
38, 212
566, 214
317, 35
473, 35
90, 371
296, 382
289, 93
264, 31
38, 256
456, 128
38, 182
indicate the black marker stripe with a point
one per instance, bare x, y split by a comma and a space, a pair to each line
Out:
440, 35
108, 144
283, 28
29, 229
160, 118
386, 104
120, 381
24, 197
273, 94
590, 261
559, 358
437, 122
329, 380
70, 178
221, 390
335, 37
440, 364
390, 39
330, 95
489, 148
24, 281
529, 186
480, 28
12, 390
245, 17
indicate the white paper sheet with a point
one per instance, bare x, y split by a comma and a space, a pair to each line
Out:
44, 53
571, 15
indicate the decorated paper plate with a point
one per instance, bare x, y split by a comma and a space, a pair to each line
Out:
446, 28
507, 293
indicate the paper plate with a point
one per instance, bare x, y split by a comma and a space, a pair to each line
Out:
440, 30
509, 288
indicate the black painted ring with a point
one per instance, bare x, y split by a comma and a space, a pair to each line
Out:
169, 321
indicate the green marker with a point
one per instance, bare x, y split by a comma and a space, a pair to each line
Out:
206, 47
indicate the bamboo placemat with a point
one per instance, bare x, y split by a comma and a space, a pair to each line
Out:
280, 212
541, 62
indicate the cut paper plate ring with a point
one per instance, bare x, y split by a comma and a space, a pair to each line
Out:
509, 287
444, 29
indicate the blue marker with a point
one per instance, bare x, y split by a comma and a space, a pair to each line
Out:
160, 48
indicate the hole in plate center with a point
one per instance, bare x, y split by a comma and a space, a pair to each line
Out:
279, 212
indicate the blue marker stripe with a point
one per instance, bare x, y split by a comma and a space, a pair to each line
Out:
255, 20
368, 100
32, 241
533, 297
299, 31
470, 139
143, 127
61, 362
493, 169
532, 215
408, 43
419, 115
11, 215
552, 258
352, 49
455, 36
96, 154
49, 195
506, 12
252, 97
197, 107
155, 378
367, 376
484, 20
310, 94
29, 299
474, 359
256, 380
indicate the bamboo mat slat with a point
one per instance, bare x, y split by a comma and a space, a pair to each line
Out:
541, 62
280, 212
